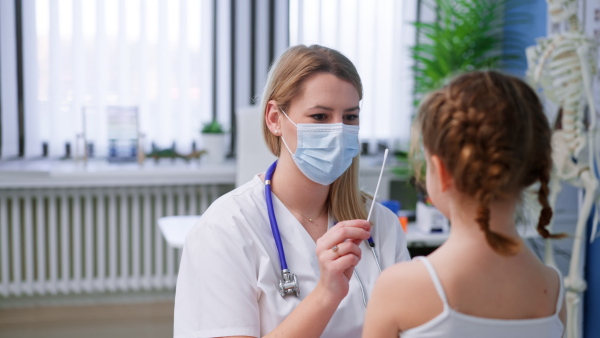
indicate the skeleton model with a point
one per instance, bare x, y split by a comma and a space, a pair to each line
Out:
564, 65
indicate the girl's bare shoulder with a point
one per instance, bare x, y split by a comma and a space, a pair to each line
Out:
407, 272
409, 293
406, 279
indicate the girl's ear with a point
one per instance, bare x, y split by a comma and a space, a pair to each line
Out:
272, 118
441, 172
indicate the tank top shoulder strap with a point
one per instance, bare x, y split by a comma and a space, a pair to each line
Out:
434, 278
561, 289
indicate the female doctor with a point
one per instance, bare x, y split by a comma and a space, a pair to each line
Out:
287, 254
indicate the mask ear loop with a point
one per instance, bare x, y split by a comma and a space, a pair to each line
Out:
284, 143
286, 115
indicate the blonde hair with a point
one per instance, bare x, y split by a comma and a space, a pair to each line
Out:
286, 81
490, 132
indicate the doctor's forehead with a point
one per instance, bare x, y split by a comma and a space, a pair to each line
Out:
327, 92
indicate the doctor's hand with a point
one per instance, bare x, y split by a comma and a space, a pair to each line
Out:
338, 254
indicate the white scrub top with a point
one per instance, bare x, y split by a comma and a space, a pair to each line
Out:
230, 270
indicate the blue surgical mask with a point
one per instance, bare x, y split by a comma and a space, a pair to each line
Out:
324, 151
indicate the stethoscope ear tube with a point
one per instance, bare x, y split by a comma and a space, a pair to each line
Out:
272, 219
289, 282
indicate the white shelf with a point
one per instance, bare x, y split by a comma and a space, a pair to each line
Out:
69, 173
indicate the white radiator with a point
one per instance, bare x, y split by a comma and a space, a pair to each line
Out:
92, 240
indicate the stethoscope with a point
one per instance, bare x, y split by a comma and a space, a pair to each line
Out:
288, 283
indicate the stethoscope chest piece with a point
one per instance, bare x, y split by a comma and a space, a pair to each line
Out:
289, 284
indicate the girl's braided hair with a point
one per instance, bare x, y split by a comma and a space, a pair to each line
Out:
490, 131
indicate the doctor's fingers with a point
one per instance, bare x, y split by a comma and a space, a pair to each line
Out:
339, 251
355, 223
340, 235
339, 264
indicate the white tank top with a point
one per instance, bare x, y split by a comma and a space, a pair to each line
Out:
450, 323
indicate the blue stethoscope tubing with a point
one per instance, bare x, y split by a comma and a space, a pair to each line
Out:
289, 282
272, 219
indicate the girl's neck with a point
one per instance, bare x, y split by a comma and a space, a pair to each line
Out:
463, 214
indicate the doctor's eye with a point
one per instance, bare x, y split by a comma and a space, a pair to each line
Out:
351, 117
319, 117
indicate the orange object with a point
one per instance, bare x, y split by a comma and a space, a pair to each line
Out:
403, 222
428, 201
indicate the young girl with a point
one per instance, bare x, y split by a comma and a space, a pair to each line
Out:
486, 138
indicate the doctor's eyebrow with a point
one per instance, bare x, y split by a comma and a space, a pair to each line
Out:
330, 109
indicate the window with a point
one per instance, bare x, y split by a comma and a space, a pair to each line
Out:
84, 56
145, 53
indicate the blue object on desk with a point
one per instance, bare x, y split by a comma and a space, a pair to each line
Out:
393, 205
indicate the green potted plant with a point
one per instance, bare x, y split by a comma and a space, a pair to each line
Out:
212, 127
213, 140
467, 35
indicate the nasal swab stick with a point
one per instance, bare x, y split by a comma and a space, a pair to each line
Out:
385, 154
